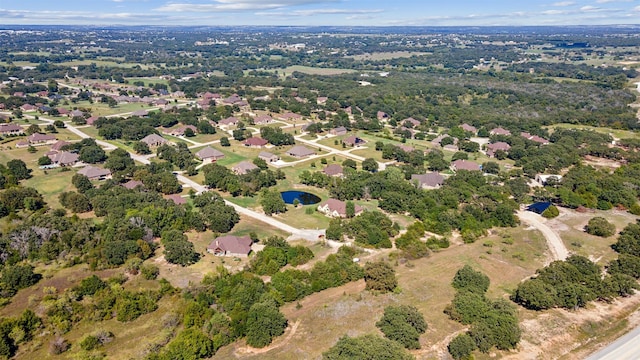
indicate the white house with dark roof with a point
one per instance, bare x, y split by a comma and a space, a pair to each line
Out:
268, 157
10, 129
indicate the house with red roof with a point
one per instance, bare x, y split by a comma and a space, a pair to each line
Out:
229, 245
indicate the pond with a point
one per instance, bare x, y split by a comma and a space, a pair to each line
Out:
303, 197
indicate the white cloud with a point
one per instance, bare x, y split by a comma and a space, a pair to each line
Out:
238, 5
611, 1
313, 12
563, 3
589, 8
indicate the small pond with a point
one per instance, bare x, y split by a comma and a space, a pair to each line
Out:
303, 197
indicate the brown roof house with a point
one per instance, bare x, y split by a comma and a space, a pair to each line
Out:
230, 245
255, 142
64, 158
262, 120
59, 145
333, 170
337, 208
338, 131
41, 139
300, 151
95, 173
268, 157
177, 199
179, 131
132, 184
500, 131
10, 129
464, 165
469, 128
500, 145
431, 180
534, 138
354, 141
289, 116
154, 140
229, 121
209, 155
244, 167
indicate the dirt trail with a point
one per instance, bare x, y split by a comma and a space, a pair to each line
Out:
556, 246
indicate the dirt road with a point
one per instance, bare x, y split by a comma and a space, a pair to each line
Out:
556, 246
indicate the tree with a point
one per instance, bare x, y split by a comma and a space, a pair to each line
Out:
370, 165
92, 154
180, 252
188, 132
190, 344
470, 280
349, 163
366, 347
535, 295
32, 129
44, 160
272, 202
82, 183
224, 141
551, 212
17, 277
461, 346
350, 209
599, 226
380, 276
18, 169
264, 322
403, 324
491, 167
141, 148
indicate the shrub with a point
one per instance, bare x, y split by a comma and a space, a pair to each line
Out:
551, 212
380, 276
599, 226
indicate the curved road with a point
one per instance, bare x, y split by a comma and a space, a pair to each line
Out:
556, 246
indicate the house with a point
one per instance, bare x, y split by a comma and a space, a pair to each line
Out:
209, 155
354, 141
465, 165
539, 207
63, 111
63, 158
41, 139
230, 245
321, 100
337, 208
268, 157
406, 148
177, 199
438, 140
10, 129
338, 131
59, 145
500, 145
333, 170
450, 147
229, 121
381, 115
430, 180
95, 173
28, 107
179, 131
534, 138
469, 128
411, 121
300, 151
76, 113
500, 131
289, 117
140, 113
262, 120
544, 179
91, 120
255, 142
244, 167
154, 140
132, 184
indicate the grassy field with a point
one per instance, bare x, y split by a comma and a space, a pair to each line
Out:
311, 70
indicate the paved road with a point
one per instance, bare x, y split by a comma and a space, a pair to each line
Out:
625, 348
556, 246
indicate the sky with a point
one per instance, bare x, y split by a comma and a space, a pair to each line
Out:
320, 12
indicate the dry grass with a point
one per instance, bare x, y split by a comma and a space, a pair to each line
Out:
348, 310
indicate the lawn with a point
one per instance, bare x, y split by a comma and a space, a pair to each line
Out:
617, 133
311, 70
